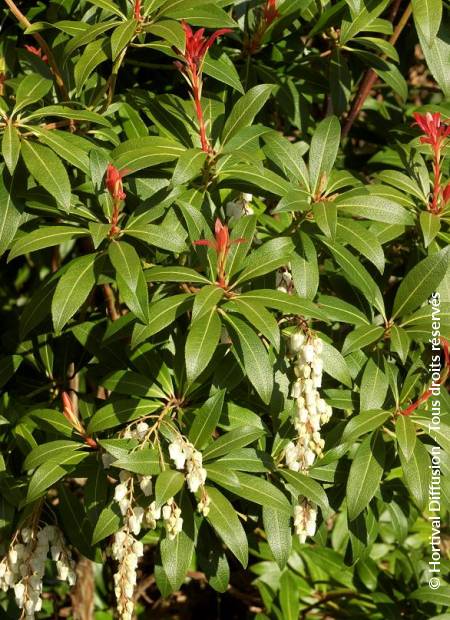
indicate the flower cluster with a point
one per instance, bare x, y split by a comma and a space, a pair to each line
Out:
171, 513
126, 549
311, 412
284, 281
237, 208
186, 457
305, 517
24, 566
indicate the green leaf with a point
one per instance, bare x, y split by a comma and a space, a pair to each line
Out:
243, 229
144, 461
306, 487
176, 554
75, 114
244, 177
322, 153
258, 316
405, 432
260, 491
72, 290
32, 88
130, 278
164, 312
364, 423
11, 211
223, 70
420, 282
373, 208
109, 5
245, 110
43, 478
207, 298
374, 387
289, 595
50, 419
94, 54
361, 337
205, 420
120, 411
168, 483
223, 518
430, 225
363, 240
427, 17
277, 525
267, 258
365, 474
169, 30
140, 153
45, 237
400, 342
131, 383
236, 438
64, 145
440, 596
417, 474
436, 55
107, 524
159, 236
189, 166
121, 37
355, 272
288, 304
11, 146
48, 171
325, 216
51, 451
201, 343
335, 365
253, 356
339, 310
174, 274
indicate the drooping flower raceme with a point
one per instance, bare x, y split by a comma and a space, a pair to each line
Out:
126, 549
24, 566
186, 457
311, 412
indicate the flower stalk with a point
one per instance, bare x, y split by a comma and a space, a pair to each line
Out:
221, 245
191, 67
435, 134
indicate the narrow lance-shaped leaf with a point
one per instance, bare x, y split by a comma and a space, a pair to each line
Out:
130, 278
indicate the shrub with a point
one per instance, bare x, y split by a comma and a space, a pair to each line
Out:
225, 307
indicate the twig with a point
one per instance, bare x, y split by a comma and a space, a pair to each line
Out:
25, 23
371, 76
110, 302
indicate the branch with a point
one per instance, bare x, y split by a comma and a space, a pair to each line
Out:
25, 23
371, 77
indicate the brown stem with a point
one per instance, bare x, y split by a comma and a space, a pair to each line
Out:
110, 302
25, 23
371, 77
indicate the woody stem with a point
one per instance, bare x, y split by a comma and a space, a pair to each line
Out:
25, 23
196, 90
